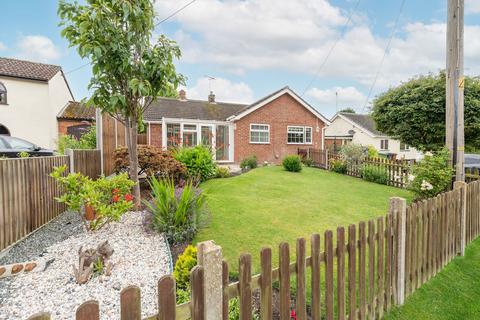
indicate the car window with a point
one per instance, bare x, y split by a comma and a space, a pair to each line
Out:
16, 143
3, 145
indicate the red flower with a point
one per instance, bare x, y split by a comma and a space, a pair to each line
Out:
293, 315
115, 191
128, 197
116, 198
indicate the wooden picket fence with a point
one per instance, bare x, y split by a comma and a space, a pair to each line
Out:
27, 196
397, 170
472, 174
360, 272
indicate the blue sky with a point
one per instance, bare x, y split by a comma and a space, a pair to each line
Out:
253, 47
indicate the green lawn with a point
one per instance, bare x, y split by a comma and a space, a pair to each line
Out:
452, 294
269, 205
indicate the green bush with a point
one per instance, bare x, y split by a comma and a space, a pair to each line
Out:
109, 197
249, 163
175, 211
222, 172
198, 160
338, 166
234, 310
87, 141
372, 152
292, 163
24, 154
185, 263
307, 161
183, 295
432, 175
374, 174
352, 154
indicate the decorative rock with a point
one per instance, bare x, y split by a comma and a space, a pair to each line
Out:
140, 258
2, 270
30, 266
17, 268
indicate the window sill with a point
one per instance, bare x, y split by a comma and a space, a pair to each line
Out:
300, 143
259, 142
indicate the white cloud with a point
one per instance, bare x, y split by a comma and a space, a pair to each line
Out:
472, 6
225, 90
2, 46
296, 36
37, 48
325, 100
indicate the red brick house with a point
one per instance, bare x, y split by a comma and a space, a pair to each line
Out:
75, 119
270, 128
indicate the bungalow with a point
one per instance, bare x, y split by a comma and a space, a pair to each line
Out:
361, 129
270, 128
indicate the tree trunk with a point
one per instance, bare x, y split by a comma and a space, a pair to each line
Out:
131, 137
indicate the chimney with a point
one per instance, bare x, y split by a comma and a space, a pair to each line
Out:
182, 95
211, 97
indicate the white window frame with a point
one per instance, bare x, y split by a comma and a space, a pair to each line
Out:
199, 123
259, 130
304, 134
388, 145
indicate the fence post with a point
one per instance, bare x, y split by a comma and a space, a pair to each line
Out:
209, 256
326, 159
463, 213
69, 153
398, 209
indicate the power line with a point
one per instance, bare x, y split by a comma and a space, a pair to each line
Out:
174, 13
331, 49
387, 48
158, 23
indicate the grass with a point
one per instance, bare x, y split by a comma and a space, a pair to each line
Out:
454, 293
269, 205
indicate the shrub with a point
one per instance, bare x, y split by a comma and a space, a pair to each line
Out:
109, 197
352, 154
234, 310
432, 175
199, 162
183, 295
87, 141
222, 172
374, 174
24, 154
176, 211
151, 161
372, 152
185, 263
307, 161
338, 165
249, 163
292, 163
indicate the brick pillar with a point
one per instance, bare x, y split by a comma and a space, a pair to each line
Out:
209, 256
463, 215
398, 208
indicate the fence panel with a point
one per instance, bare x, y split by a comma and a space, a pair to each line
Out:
86, 162
27, 196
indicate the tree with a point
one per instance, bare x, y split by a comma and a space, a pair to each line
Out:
414, 112
129, 71
347, 110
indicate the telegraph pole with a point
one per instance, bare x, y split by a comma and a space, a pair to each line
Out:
454, 114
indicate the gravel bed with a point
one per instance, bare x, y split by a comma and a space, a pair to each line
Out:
140, 258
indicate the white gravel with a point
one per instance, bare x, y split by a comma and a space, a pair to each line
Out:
140, 258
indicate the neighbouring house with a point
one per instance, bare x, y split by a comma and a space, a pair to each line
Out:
361, 129
31, 95
75, 119
270, 128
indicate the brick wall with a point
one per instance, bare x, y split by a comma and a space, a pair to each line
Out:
64, 124
155, 134
280, 113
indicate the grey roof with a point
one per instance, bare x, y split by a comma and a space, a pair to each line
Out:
191, 109
77, 111
27, 69
363, 120
246, 107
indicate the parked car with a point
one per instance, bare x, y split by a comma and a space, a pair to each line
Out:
10, 147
